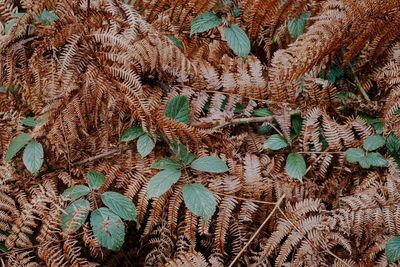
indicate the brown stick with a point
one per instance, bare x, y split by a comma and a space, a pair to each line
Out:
102, 155
258, 230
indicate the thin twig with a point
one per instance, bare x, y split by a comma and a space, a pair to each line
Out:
258, 230
245, 199
243, 120
103, 155
316, 161
358, 84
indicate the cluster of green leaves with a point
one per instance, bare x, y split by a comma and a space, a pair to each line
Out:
392, 249
177, 109
106, 222
364, 156
295, 164
46, 17
33, 152
236, 38
198, 199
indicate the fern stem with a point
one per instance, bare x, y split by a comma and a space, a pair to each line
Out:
249, 120
358, 84
258, 230
103, 155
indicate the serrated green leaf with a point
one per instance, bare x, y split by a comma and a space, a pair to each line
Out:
375, 159
108, 228
261, 112
237, 40
75, 215
32, 122
162, 182
178, 109
145, 145
95, 179
264, 128
182, 153
297, 26
374, 142
393, 144
132, 133
9, 25
374, 122
275, 142
33, 157
47, 17
353, 155
166, 163
392, 249
75, 192
334, 73
175, 40
3, 247
209, 164
297, 124
205, 22
16, 145
120, 205
199, 200
295, 166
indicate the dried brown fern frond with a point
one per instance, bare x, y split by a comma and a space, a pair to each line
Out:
185, 259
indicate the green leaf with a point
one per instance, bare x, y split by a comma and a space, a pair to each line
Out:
145, 145
166, 163
199, 200
178, 109
182, 153
120, 205
95, 179
16, 145
75, 215
205, 22
108, 228
162, 182
209, 164
297, 124
353, 155
237, 40
334, 73
264, 128
9, 25
175, 40
374, 142
393, 144
261, 112
297, 26
132, 133
47, 17
3, 247
33, 156
76, 191
32, 122
374, 122
392, 249
295, 166
374, 159
275, 142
